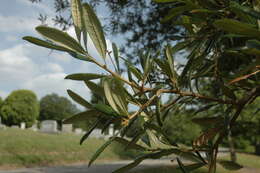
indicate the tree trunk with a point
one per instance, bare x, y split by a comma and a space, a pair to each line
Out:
257, 148
232, 150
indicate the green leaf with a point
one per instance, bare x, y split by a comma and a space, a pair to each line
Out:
126, 142
108, 93
254, 44
83, 116
246, 10
106, 109
100, 150
136, 162
46, 44
129, 166
79, 99
81, 56
182, 167
236, 27
97, 89
77, 13
116, 55
84, 76
94, 29
136, 72
60, 38
89, 132
230, 165
176, 11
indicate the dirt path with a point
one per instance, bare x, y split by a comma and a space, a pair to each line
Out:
98, 168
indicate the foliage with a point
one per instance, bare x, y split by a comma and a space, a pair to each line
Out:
1, 102
129, 19
222, 50
55, 107
20, 106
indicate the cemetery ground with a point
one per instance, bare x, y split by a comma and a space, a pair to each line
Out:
61, 153
26, 148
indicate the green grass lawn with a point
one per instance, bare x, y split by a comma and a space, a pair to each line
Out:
249, 162
19, 148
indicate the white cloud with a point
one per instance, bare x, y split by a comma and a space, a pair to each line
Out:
61, 57
55, 82
17, 23
15, 65
56, 68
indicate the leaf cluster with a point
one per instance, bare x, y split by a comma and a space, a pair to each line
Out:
222, 45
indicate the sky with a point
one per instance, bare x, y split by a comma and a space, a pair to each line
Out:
27, 66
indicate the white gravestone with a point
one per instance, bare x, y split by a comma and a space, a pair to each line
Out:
49, 126
15, 127
78, 131
67, 128
96, 134
22, 125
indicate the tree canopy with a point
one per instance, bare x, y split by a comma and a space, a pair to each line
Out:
220, 77
20, 106
55, 107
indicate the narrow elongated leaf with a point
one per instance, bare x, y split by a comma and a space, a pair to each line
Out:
245, 10
79, 99
84, 76
129, 166
77, 14
100, 150
95, 88
236, 27
81, 56
106, 109
60, 38
108, 93
136, 162
182, 167
89, 132
83, 116
94, 29
116, 55
126, 142
176, 11
46, 44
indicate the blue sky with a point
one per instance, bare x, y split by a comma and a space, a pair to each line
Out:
26, 66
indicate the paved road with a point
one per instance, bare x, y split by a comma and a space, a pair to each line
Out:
98, 168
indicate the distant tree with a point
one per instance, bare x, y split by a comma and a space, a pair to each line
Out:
1, 102
55, 107
20, 106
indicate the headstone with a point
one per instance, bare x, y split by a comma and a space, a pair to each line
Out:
78, 131
96, 134
49, 126
67, 128
34, 127
22, 125
15, 127
111, 130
